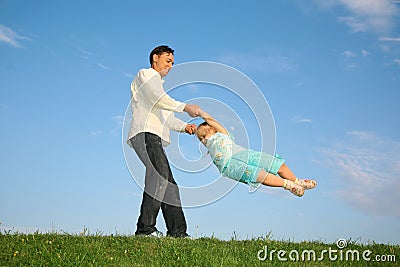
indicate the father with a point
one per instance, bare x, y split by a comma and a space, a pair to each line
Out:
152, 119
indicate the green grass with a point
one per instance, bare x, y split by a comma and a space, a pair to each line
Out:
55, 249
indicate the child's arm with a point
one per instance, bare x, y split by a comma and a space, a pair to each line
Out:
213, 122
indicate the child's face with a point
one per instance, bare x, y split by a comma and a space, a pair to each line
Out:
204, 132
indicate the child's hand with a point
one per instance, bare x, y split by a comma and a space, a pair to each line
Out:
204, 114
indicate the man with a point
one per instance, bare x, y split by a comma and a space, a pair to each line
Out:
152, 119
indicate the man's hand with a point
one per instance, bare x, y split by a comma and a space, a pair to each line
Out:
191, 128
192, 110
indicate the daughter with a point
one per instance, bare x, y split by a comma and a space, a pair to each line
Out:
245, 165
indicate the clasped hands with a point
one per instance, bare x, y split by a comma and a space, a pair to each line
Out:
193, 111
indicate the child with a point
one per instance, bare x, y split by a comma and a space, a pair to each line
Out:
245, 165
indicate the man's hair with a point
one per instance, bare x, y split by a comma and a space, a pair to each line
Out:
159, 50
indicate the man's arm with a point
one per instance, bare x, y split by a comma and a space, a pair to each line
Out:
153, 91
178, 125
175, 124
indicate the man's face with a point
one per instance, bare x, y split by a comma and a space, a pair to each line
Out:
163, 63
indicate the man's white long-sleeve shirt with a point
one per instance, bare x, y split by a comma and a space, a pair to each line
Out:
152, 108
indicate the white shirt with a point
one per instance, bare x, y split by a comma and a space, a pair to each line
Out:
152, 108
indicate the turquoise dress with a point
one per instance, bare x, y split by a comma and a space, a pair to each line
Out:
221, 148
238, 163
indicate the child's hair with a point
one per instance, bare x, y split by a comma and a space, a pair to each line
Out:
204, 123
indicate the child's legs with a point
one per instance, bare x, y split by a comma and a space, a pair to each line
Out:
269, 179
253, 166
275, 165
286, 173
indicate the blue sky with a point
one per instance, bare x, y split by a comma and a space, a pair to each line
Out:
330, 72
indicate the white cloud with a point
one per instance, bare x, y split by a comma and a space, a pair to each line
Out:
118, 122
8, 36
350, 66
395, 62
349, 54
114, 129
128, 75
389, 39
102, 66
118, 119
374, 15
366, 168
365, 53
300, 119
378, 16
354, 24
84, 51
361, 135
95, 133
370, 8
350, 58
388, 43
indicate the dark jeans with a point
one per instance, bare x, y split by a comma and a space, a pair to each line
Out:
160, 190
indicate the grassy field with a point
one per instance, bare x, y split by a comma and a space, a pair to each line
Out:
56, 249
